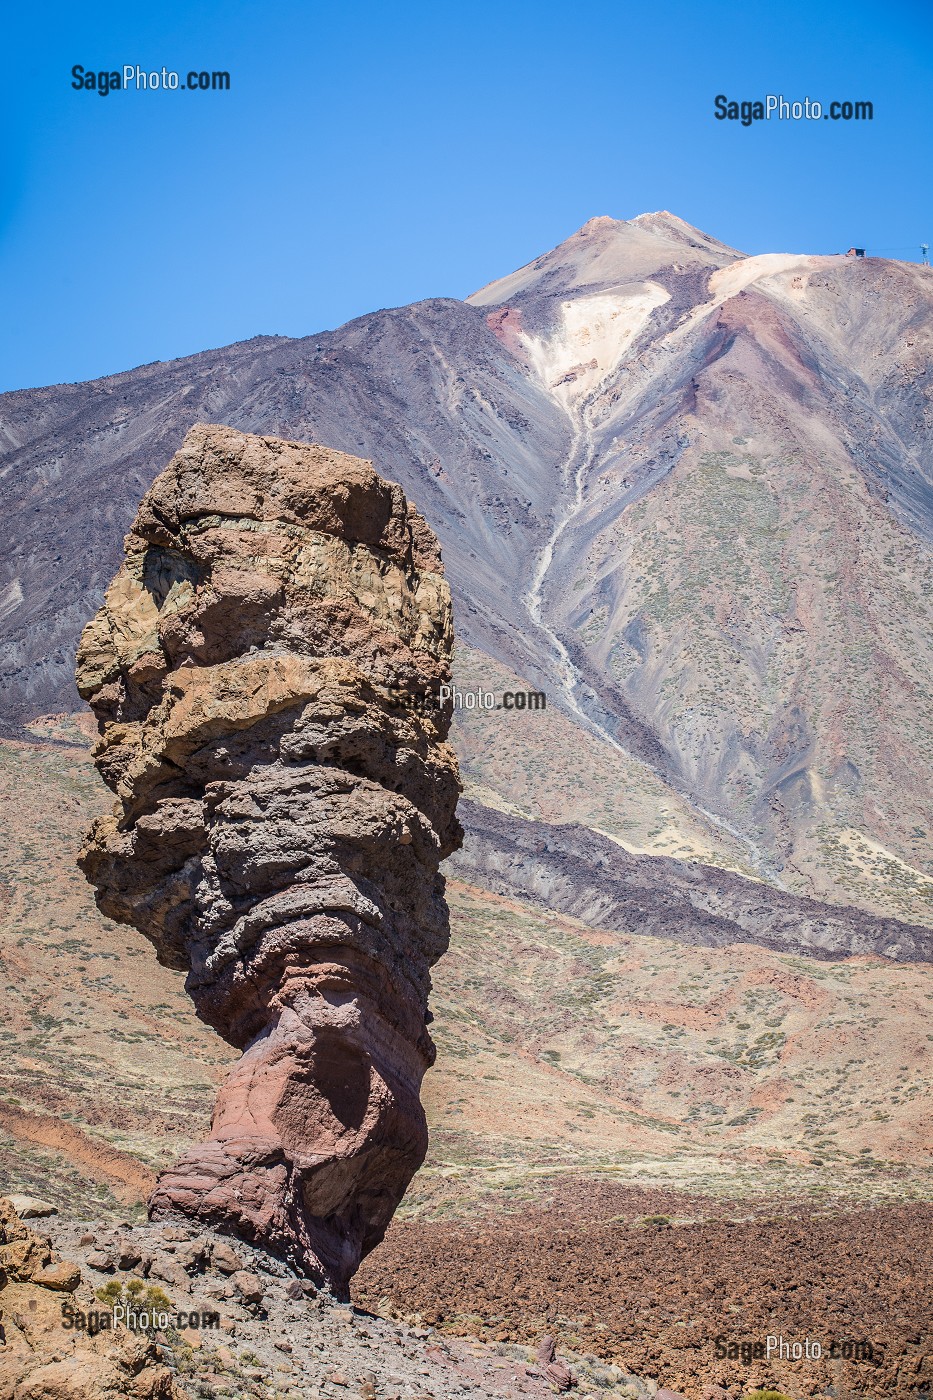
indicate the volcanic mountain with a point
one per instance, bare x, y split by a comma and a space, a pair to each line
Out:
684, 492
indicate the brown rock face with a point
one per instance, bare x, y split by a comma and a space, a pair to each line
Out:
43, 1356
264, 673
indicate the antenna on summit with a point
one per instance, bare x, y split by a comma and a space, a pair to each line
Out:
924, 254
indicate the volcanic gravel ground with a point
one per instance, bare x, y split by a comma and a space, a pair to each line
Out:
653, 1297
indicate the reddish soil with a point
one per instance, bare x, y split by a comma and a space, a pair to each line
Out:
130, 1179
653, 1299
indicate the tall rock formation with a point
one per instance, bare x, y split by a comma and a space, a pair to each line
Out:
685, 492
265, 671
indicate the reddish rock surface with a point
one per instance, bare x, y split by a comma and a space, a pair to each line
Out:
599, 1271
259, 672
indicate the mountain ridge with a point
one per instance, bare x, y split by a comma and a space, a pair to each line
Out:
688, 496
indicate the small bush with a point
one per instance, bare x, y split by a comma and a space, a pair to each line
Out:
136, 1294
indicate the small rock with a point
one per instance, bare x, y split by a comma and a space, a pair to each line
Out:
249, 1287
337, 1378
168, 1267
282, 1346
64, 1276
87, 1239
669, 1395
129, 1256
31, 1207
175, 1233
226, 1260
556, 1371
294, 1290
99, 1259
195, 1256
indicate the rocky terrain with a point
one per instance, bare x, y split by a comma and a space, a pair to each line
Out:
163, 1312
653, 1282
558, 1042
283, 809
633, 1294
562, 1048
38, 1356
578, 872
683, 491
682, 1089
705, 1084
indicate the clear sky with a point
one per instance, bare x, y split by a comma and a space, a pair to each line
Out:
372, 154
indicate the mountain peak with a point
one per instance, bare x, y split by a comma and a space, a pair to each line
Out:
598, 222
667, 225
606, 253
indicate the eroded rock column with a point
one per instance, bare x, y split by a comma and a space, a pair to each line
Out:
264, 673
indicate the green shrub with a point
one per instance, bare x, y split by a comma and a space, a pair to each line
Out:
135, 1294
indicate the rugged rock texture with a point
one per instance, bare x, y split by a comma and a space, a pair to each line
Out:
285, 799
687, 493
594, 879
280, 1337
43, 1359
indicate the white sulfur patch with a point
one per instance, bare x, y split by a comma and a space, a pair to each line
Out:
729, 281
592, 340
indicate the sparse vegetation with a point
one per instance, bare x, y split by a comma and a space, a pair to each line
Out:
141, 1299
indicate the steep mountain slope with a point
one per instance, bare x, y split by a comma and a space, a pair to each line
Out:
689, 494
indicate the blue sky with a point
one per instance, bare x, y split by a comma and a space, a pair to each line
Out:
369, 154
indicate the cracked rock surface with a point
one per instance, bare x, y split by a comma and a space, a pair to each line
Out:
265, 673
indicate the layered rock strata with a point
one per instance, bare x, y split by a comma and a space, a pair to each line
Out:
265, 672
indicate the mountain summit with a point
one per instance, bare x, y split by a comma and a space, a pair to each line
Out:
687, 494
608, 252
